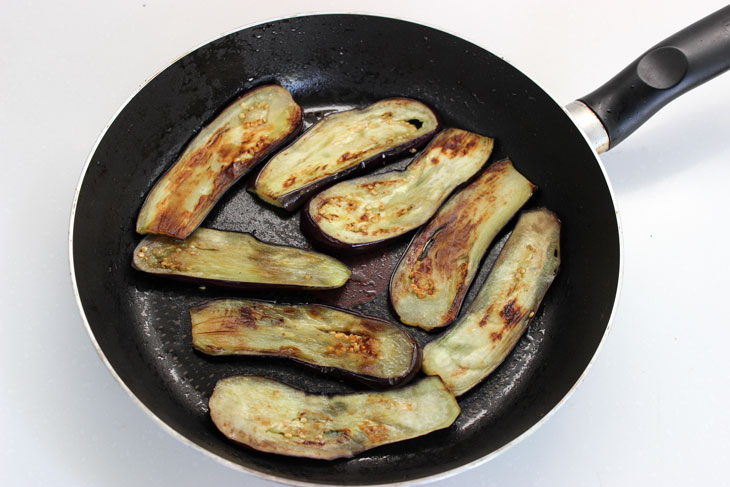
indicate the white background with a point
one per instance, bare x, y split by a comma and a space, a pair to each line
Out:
653, 409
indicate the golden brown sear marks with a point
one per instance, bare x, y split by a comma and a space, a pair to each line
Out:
330, 207
452, 233
341, 143
247, 318
349, 156
512, 313
288, 350
376, 432
376, 187
499, 314
236, 259
364, 346
457, 144
195, 171
362, 216
292, 179
370, 209
421, 281
221, 153
434, 274
327, 427
324, 337
445, 243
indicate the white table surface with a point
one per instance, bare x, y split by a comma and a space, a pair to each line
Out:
653, 409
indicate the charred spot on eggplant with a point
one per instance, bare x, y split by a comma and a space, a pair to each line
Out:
273, 417
342, 145
433, 276
234, 142
476, 344
362, 213
333, 341
237, 260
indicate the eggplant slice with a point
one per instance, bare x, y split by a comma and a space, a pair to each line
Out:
362, 213
343, 145
431, 280
482, 339
239, 138
237, 260
269, 416
333, 341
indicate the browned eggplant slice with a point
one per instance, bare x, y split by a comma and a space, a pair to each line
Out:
431, 280
334, 341
239, 138
473, 347
269, 416
342, 145
237, 260
362, 213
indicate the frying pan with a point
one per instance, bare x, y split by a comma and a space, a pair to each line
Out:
329, 62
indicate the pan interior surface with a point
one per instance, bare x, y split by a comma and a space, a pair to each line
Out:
332, 62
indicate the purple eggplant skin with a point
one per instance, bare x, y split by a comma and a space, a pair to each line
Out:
449, 145
245, 320
203, 239
225, 150
294, 200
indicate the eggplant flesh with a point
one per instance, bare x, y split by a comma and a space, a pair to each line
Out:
369, 350
431, 280
367, 211
238, 260
343, 145
226, 149
270, 416
473, 347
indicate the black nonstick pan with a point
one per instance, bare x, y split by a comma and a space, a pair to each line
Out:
330, 62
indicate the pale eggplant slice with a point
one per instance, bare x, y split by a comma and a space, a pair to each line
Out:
343, 145
473, 347
239, 138
333, 341
431, 280
361, 213
237, 260
273, 417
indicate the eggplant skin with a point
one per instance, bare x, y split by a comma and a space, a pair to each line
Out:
429, 284
360, 214
272, 417
476, 344
332, 341
240, 260
248, 130
343, 145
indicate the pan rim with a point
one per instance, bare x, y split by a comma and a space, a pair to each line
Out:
287, 481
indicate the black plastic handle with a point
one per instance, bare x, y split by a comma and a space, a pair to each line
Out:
687, 59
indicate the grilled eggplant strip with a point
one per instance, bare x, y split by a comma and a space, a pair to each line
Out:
273, 417
239, 138
333, 341
237, 260
482, 339
342, 145
431, 280
365, 212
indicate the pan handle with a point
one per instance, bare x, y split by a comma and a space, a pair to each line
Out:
687, 59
